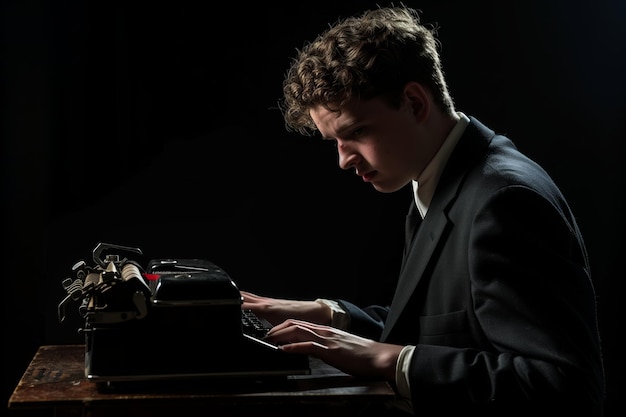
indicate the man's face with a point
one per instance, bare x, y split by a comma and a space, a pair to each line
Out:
383, 144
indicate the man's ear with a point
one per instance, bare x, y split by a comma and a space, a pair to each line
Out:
418, 98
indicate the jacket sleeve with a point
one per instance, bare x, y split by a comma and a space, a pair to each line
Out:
368, 321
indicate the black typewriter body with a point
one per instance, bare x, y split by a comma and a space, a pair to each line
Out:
176, 319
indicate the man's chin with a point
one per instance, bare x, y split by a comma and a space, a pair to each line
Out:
387, 188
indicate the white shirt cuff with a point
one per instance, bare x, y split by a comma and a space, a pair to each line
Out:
339, 318
402, 379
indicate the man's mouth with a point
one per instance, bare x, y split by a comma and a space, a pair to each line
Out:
368, 176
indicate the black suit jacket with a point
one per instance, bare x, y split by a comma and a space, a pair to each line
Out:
494, 292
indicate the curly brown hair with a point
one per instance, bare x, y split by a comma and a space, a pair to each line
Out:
371, 55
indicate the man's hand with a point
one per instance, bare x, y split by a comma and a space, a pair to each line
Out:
277, 310
345, 351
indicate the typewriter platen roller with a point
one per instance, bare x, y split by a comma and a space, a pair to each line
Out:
173, 319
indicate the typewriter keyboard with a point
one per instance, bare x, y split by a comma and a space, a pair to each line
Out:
253, 325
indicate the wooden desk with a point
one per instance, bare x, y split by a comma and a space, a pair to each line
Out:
55, 381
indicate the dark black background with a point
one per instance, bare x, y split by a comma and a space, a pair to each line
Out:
154, 125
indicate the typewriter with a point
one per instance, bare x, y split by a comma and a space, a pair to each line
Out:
170, 320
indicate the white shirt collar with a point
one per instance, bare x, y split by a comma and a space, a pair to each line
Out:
424, 187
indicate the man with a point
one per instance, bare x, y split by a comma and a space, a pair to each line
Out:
494, 311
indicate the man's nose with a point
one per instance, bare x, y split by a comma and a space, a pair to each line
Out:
347, 158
